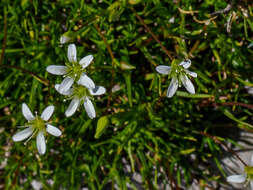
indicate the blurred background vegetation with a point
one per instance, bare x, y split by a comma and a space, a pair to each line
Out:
140, 131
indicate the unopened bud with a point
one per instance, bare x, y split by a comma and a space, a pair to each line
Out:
64, 39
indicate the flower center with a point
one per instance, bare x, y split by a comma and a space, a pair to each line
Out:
38, 124
249, 172
176, 71
74, 70
80, 92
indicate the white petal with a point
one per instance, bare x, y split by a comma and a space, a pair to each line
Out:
193, 74
65, 85
250, 91
72, 107
236, 178
85, 62
72, 53
163, 69
98, 90
89, 108
36, 185
53, 130
57, 69
251, 184
86, 81
251, 160
66, 93
47, 113
186, 64
41, 143
19, 136
187, 84
27, 112
172, 87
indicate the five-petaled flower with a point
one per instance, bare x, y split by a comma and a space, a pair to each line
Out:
73, 70
81, 94
245, 178
37, 125
178, 73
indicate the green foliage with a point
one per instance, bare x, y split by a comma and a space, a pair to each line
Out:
101, 126
160, 138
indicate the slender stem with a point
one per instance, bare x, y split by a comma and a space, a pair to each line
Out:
250, 106
5, 37
222, 11
173, 183
216, 140
24, 49
14, 181
153, 35
238, 104
113, 63
190, 12
43, 80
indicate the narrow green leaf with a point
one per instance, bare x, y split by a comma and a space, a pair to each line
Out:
244, 82
126, 66
101, 126
187, 151
130, 156
217, 56
129, 86
231, 116
187, 95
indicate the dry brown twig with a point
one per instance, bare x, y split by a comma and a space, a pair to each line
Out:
215, 104
153, 35
113, 63
191, 12
227, 9
216, 140
5, 37
43, 80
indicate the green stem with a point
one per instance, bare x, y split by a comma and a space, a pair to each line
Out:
37, 77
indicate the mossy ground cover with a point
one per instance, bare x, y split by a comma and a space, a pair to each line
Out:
166, 140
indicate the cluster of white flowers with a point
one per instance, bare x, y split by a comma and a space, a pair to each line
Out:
179, 74
79, 88
76, 85
83, 88
80, 94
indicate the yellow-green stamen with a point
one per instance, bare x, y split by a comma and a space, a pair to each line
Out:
249, 172
80, 92
74, 70
38, 124
176, 71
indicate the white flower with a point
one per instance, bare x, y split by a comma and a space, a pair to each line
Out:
73, 70
178, 73
37, 126
81, 94
246, 178
249, 89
